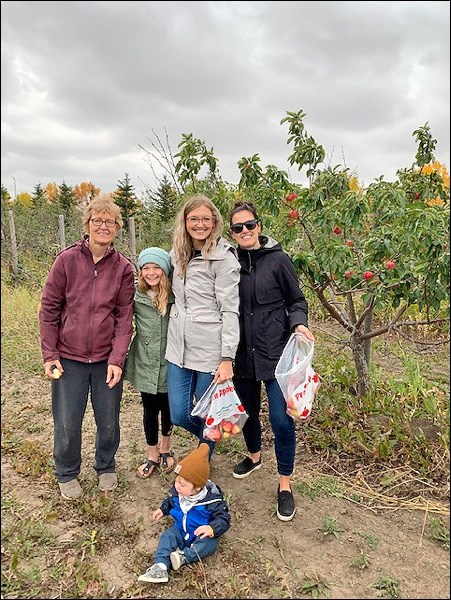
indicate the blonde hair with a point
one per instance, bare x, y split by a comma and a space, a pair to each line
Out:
101, 204
182, 243
161, 299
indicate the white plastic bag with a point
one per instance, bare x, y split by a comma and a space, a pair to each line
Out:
296, 377
222, 411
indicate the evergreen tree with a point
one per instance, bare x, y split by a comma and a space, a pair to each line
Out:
165, 201
66, 199
6, 196
38, 197
125, 197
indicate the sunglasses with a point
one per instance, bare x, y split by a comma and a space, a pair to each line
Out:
250, 225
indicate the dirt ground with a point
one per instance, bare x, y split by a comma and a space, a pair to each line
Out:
345, 545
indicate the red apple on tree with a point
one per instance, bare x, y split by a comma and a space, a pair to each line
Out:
349, 243
291, 197
368, 275
390, 264
348, 274
294, 214
337, 230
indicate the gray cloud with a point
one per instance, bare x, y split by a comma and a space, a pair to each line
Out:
84, 84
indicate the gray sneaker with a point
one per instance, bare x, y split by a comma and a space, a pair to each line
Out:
178, 559
155, 574
107, 482
70, 490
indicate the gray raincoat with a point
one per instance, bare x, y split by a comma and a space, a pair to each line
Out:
203, 322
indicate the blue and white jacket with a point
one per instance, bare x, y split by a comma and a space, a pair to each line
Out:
211, 510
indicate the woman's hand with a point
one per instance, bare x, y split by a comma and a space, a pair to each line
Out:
305, 331
114, 374
224, 371
50, 366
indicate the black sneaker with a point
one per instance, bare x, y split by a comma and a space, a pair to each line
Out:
285, 505
246, 467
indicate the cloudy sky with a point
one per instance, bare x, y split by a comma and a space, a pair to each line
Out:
87, 85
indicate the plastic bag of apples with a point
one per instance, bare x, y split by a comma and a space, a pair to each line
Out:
296, 377
222, 411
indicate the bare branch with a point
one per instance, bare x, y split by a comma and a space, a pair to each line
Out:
337, 315
385, 328
368, 308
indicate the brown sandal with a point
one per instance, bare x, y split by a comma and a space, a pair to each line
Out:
165, 467
148, 467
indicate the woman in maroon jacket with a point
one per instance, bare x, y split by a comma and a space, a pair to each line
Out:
86, 326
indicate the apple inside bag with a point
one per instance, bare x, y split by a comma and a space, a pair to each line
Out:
300, 397
222, 411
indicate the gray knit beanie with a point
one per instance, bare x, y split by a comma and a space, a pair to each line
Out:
155, 255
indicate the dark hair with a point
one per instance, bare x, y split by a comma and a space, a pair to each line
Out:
239, 206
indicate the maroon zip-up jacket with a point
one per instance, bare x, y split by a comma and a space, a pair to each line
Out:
87, 308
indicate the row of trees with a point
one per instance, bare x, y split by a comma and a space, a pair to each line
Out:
376, 258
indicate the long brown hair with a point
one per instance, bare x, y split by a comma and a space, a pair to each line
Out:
182, 242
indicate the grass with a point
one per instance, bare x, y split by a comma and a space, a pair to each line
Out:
438, 532
372, 451
330, 527
387, 586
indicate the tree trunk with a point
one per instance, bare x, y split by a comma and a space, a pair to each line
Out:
363, 372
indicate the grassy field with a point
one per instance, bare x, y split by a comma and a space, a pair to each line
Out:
371, 486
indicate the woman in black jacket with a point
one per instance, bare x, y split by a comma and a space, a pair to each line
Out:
272, 306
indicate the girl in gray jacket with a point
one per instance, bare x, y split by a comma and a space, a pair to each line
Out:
203, 329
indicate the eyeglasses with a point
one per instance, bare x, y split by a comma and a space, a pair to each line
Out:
108, 222
250, 225
196, 220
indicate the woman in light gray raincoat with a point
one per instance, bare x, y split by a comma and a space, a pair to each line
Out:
203, 329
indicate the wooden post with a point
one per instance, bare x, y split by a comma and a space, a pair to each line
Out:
132, 239
12, 235
62, 231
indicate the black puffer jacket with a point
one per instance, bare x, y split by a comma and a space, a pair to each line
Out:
271, 305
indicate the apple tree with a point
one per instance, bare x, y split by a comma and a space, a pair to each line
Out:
368, 254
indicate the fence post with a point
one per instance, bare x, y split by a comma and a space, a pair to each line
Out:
12, 235
132, 239
62, 231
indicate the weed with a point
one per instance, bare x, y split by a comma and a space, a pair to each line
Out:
86, 581
99, 507
439, 533
387, 586
361, 561
90, 543
330, 527
320, 487
370, 538
315, 586
32, 459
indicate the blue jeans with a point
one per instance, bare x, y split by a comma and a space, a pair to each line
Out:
183, 386
282, 425
172, 538
69, 401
